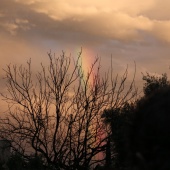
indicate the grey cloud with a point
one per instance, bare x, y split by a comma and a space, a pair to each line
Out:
64, 22
24, 21
20, 20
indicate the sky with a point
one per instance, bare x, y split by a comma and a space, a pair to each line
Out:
128, 30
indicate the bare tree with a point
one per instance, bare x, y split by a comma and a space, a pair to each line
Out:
58, 113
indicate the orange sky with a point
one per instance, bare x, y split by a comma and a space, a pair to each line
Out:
129, 30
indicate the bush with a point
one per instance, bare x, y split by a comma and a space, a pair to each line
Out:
16, 162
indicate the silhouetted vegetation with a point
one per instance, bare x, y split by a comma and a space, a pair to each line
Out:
57, 112
70, 119
121, 121
150, 137
153, 83
18, 162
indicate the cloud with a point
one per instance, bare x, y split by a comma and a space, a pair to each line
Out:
109, 19
85, 21
161, 30
64, 20
130, 30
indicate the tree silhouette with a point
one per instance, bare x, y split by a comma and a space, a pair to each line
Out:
153, 83
119, 121
150, 133
149, 137
57, 112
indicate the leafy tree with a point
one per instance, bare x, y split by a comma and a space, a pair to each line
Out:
153, 83
35, 163
16, 162
150, 133
57, 112
119, 121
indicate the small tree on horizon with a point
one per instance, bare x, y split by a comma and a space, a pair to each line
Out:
153, 83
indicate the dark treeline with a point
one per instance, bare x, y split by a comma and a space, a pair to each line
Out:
63, 118
140, 130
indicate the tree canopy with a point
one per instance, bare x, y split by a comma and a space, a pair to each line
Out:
153, 83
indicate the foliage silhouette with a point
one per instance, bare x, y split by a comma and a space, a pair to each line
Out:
35, 163
153, 82
16, 162
150, 134
119, 120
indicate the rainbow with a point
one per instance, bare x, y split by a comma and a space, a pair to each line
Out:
86, 61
